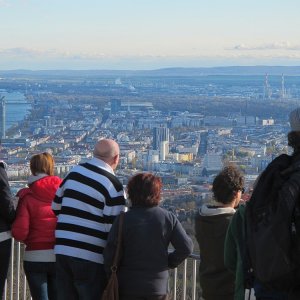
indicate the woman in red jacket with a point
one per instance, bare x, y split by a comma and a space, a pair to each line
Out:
35, 225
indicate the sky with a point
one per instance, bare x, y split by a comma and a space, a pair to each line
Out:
147, 34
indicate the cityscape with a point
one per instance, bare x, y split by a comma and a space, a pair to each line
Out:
182, 128
197, 93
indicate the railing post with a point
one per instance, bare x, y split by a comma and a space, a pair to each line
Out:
25, 287
18, 269
184, 280
175, 284
194, 279
5, 290
12, 269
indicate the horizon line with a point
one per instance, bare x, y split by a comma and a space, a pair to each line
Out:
150, 69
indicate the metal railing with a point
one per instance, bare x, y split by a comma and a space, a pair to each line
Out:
183, 280
16, 284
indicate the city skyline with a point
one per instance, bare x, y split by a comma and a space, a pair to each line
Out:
147, 35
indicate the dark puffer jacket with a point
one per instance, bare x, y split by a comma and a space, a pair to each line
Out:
7, 210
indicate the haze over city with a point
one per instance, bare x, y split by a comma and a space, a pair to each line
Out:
185, 87
147, 34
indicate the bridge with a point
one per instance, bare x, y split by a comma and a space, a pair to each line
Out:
16, 102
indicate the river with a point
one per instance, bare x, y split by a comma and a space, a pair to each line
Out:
16, 108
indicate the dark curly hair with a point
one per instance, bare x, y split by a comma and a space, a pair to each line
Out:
294, 140
225, 185
144, 190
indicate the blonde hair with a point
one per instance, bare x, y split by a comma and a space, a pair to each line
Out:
42, 163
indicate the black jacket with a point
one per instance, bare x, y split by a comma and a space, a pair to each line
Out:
7, 210
147, 233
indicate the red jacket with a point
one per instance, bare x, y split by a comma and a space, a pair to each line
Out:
35, 222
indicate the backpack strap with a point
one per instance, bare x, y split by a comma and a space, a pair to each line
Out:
246, 263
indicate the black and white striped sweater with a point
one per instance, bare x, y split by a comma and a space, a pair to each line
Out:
86, 203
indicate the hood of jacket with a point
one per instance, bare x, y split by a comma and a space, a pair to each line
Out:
209, 210
43, 189
212, 222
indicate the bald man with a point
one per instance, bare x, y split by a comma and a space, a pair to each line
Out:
86, 204
108, 151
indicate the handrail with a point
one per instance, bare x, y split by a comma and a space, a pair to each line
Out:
183, 279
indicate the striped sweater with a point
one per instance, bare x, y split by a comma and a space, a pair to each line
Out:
86, 203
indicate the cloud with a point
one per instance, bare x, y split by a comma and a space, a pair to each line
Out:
20, 52
4, 3
9, 3
271, 46
32, 58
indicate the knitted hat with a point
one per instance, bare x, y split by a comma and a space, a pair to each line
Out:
295, 119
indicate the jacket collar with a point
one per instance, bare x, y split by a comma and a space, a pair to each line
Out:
207, 210
101, 164
33, 178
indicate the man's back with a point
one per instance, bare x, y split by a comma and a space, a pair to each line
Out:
87, 203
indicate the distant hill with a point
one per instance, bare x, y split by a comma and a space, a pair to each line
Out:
233, 70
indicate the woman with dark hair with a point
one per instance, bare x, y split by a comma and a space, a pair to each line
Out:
148, 231
211, 225
35, 224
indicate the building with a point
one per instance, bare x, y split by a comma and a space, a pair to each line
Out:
3, 117
212, 162
117, 105
164, 150
202, 150
160, 134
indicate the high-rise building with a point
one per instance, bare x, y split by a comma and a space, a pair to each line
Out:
160, 134
164, 150
202, 150
3, 117
115, 105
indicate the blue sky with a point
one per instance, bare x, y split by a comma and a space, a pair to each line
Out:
148, 34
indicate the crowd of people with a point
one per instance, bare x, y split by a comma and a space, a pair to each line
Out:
70, 231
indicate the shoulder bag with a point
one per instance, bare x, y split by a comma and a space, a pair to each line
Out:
111, 291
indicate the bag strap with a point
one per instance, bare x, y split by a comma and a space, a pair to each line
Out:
242, 244
114, 266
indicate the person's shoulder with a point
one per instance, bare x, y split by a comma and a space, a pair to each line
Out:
55, 179
24, 195
239, 216
242, 208
3, 165
167, 213
281, 161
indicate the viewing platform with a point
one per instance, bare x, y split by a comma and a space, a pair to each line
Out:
184, 281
